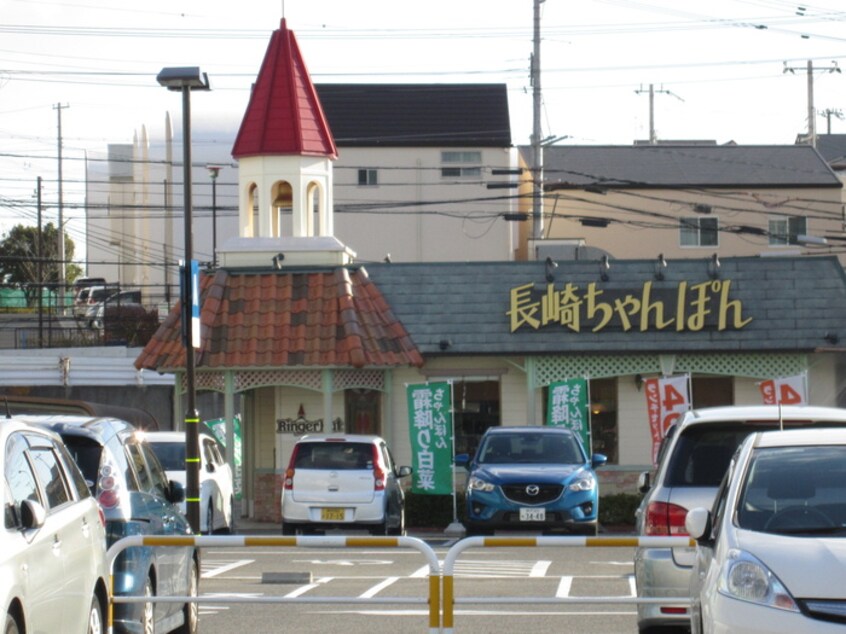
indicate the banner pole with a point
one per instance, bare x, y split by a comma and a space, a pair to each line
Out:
452, 432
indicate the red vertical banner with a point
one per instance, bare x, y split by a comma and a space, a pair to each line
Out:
667, 399
789, 390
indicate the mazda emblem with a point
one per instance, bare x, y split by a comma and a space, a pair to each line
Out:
532, 490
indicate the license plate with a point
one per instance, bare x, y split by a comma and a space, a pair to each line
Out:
532, 515
332, 515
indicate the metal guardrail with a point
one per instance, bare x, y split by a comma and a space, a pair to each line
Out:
307, 541
448, 578
441, 598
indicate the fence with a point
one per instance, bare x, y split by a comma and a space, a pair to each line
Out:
441, 597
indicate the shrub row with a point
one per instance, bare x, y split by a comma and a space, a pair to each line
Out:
436, 511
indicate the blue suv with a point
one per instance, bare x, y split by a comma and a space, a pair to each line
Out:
533, 478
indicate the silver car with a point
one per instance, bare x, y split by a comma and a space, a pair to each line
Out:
343, 481
692, 460
772, 550
53, 571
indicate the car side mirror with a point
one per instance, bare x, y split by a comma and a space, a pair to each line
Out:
33, 515
644, 482
176, 492
598, 459
462, 459
698, 524
404, 472
210, 467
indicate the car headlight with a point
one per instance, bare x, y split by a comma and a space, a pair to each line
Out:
477, 484
585, 482
746, 578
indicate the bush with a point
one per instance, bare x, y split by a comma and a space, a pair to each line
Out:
435, 511
618, 509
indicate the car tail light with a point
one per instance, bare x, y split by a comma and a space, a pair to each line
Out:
288, 484
379, 475
666, 520
108, 487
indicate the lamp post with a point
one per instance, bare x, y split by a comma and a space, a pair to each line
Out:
184, 80
214, 170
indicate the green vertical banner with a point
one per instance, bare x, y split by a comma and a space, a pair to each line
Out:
218, 427
430, 432
568, 407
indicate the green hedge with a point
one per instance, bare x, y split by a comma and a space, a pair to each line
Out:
436, 511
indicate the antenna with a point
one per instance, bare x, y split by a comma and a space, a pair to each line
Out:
8, 411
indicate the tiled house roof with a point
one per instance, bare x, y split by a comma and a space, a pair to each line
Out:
328, 318
284, 115
417, 115
647, 166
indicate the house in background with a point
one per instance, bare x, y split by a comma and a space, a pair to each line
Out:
410, 183
685, 201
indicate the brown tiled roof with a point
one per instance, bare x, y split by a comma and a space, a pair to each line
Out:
331, 318
284, 115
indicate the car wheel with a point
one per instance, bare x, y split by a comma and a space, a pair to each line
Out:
11, 625
148, 616
210, 519
95, 617
191, 611
399, 529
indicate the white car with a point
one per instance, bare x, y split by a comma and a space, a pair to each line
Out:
53, 570
343, 481
771, 552
217, 494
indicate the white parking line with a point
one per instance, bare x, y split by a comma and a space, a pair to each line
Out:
218, 568
311, 586
372, 592
564, 587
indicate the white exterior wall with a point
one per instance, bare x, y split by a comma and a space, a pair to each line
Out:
414, 232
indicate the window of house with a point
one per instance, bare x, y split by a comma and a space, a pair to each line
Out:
787, 229
367, 177
698, 232
458, 164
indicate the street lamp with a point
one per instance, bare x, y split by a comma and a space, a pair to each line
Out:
214, 170
185, 79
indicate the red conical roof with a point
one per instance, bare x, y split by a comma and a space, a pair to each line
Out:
284, 115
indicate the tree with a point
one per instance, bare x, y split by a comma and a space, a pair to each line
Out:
19, 259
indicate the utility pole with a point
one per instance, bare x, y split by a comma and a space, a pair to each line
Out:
812, 115
653, 138
60, 289
537, 148
39, 269
828, 113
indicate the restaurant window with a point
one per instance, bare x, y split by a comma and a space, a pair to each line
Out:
362, 410
712, 391
603, 417
476, 406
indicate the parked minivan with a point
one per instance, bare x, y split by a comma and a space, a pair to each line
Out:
343, 481
693, 459
130, 484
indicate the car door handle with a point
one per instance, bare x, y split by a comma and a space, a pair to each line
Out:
57, 543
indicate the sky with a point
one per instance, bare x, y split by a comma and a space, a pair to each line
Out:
723, 70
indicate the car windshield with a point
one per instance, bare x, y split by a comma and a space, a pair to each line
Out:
795, 490
334, 455
170, 454
530, 449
